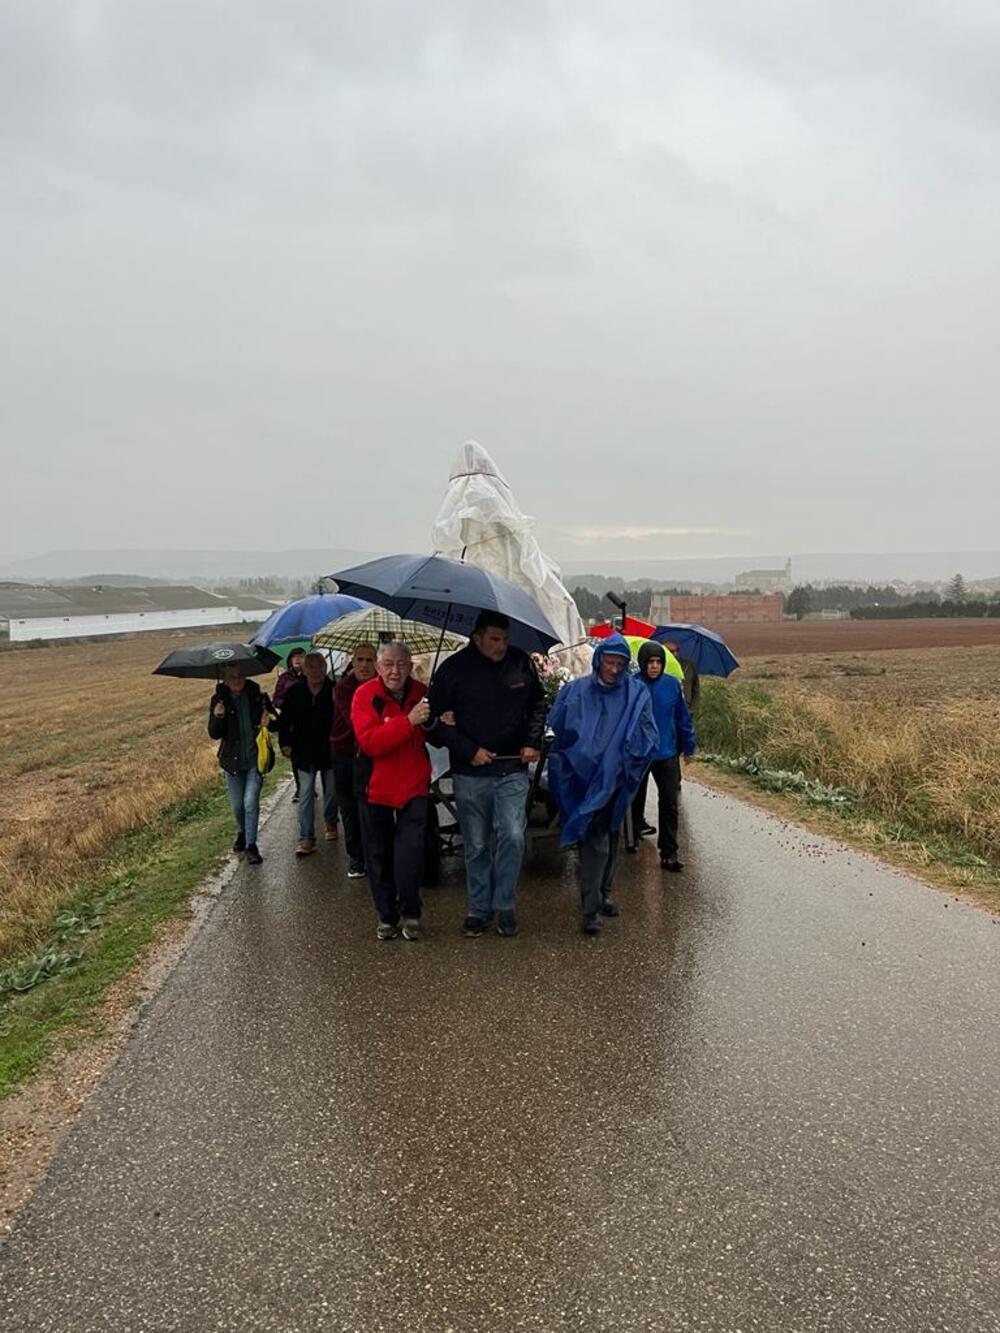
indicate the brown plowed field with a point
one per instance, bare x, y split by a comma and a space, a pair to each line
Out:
91, 746
853, 636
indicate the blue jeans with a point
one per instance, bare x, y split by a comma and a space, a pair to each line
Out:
488, 805
244, 798
307, 801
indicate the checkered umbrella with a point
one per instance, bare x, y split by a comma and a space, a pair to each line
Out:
375, 626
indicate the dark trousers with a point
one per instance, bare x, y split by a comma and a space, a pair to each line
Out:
598, 855
394, 847
666, 773
347, 803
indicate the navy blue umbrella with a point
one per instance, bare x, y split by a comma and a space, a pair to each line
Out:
302, 618
707, 650
448, 594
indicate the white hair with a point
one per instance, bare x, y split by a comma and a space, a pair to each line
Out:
397, 646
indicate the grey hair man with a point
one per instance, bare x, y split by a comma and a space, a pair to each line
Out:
389, 716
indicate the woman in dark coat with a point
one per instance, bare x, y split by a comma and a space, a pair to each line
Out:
234, 717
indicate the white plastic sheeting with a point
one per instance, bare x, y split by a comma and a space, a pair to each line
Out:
480, 521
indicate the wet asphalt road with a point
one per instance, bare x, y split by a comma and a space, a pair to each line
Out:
765, 1099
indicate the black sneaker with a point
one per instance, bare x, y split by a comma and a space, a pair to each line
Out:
240, 845
644, 830
356, 870
608, 908
506, 924
254, 857
591, 925
671, 863
473, 927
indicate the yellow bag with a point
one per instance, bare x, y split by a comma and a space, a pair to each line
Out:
265, 750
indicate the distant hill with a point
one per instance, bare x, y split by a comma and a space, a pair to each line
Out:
181, 566
112, 581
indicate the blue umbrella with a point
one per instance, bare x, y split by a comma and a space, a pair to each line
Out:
302, 618
448, 594
707, 650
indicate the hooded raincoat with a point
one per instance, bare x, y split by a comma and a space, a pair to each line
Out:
670, 712
605, 737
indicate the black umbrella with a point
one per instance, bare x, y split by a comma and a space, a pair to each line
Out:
204, 661
448, 594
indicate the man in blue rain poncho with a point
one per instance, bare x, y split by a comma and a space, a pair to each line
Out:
605, 737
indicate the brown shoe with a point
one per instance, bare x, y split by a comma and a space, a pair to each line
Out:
331, 833
306, 847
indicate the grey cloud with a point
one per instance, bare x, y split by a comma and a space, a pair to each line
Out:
713, 267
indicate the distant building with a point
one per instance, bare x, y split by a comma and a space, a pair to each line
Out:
731, 609
766, 580
28, 612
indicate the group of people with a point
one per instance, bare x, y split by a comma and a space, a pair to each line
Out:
367, 738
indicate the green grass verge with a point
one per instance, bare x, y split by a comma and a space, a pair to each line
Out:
148, 878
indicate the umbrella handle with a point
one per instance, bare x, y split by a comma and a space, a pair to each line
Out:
444, 631
444, 627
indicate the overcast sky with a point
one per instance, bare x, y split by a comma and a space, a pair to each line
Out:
705, 277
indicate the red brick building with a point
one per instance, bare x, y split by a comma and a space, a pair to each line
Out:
725, 610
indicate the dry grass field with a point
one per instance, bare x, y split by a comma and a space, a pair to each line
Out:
91, 746
914, 734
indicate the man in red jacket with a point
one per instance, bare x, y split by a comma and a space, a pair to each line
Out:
389, 715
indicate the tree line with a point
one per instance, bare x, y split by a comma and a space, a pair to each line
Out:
928, 610
888, 603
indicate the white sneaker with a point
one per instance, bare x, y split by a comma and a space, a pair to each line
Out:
411, 929
386, 931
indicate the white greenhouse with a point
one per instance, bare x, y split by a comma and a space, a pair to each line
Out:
71, 612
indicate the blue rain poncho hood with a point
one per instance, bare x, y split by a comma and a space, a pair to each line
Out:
605, 739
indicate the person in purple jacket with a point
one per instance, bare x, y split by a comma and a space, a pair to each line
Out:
677, 737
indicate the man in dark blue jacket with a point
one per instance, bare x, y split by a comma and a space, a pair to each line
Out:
677, 736
492, 694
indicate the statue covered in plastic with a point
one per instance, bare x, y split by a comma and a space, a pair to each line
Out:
479, 521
